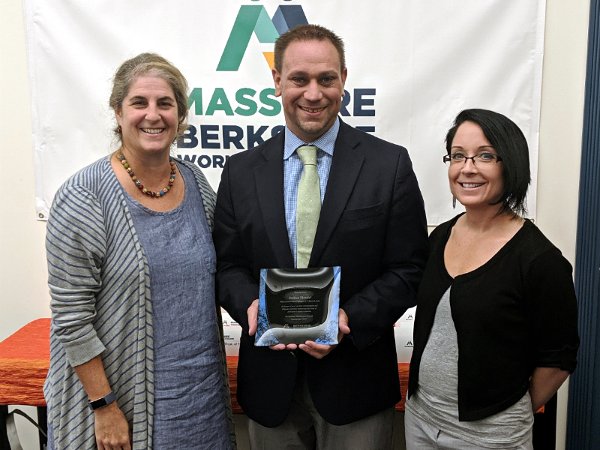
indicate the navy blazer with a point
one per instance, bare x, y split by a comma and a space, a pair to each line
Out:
372, 224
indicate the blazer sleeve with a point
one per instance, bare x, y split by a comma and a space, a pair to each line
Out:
374, 310
236, 287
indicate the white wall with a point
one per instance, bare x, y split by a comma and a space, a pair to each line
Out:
23, 291
560, 137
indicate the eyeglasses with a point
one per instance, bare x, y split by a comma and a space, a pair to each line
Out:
482, 158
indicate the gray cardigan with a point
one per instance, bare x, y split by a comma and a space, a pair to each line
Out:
100, 301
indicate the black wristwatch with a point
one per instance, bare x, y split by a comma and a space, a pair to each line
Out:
104, 401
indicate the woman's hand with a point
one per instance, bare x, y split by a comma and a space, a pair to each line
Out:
112, 429
111, 426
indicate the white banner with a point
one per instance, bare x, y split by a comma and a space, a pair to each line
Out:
412, 66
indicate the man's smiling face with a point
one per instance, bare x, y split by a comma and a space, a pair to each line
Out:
311, 86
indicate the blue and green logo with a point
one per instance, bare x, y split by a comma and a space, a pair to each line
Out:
253, 19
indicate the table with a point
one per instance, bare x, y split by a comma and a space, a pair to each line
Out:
24, 362
232, 371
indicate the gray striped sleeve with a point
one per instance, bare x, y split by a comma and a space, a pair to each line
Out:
75, 249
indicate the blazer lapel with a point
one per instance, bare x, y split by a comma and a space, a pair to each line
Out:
348, 158
268, 178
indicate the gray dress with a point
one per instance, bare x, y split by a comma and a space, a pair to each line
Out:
190, 403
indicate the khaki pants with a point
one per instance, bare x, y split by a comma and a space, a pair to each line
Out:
305, 429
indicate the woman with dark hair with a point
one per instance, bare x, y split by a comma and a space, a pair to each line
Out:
495, 334
136, 356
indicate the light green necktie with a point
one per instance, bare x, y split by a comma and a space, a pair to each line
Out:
308, 206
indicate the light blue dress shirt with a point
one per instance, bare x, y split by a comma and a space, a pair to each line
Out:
292, 171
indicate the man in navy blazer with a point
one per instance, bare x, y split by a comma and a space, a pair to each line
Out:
372, 224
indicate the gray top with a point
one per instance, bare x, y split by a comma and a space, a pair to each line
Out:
436, 400
189, 399
100, 291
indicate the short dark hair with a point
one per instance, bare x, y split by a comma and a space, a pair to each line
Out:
308, 33
510, 144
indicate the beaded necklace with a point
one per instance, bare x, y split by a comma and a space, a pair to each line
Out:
139, 184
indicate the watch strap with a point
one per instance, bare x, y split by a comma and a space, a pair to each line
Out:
104, 401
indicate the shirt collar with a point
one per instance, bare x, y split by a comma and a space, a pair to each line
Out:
326, 142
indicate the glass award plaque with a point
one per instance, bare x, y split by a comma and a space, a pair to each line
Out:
298, 305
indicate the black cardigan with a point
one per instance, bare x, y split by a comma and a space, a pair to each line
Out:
515, 313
